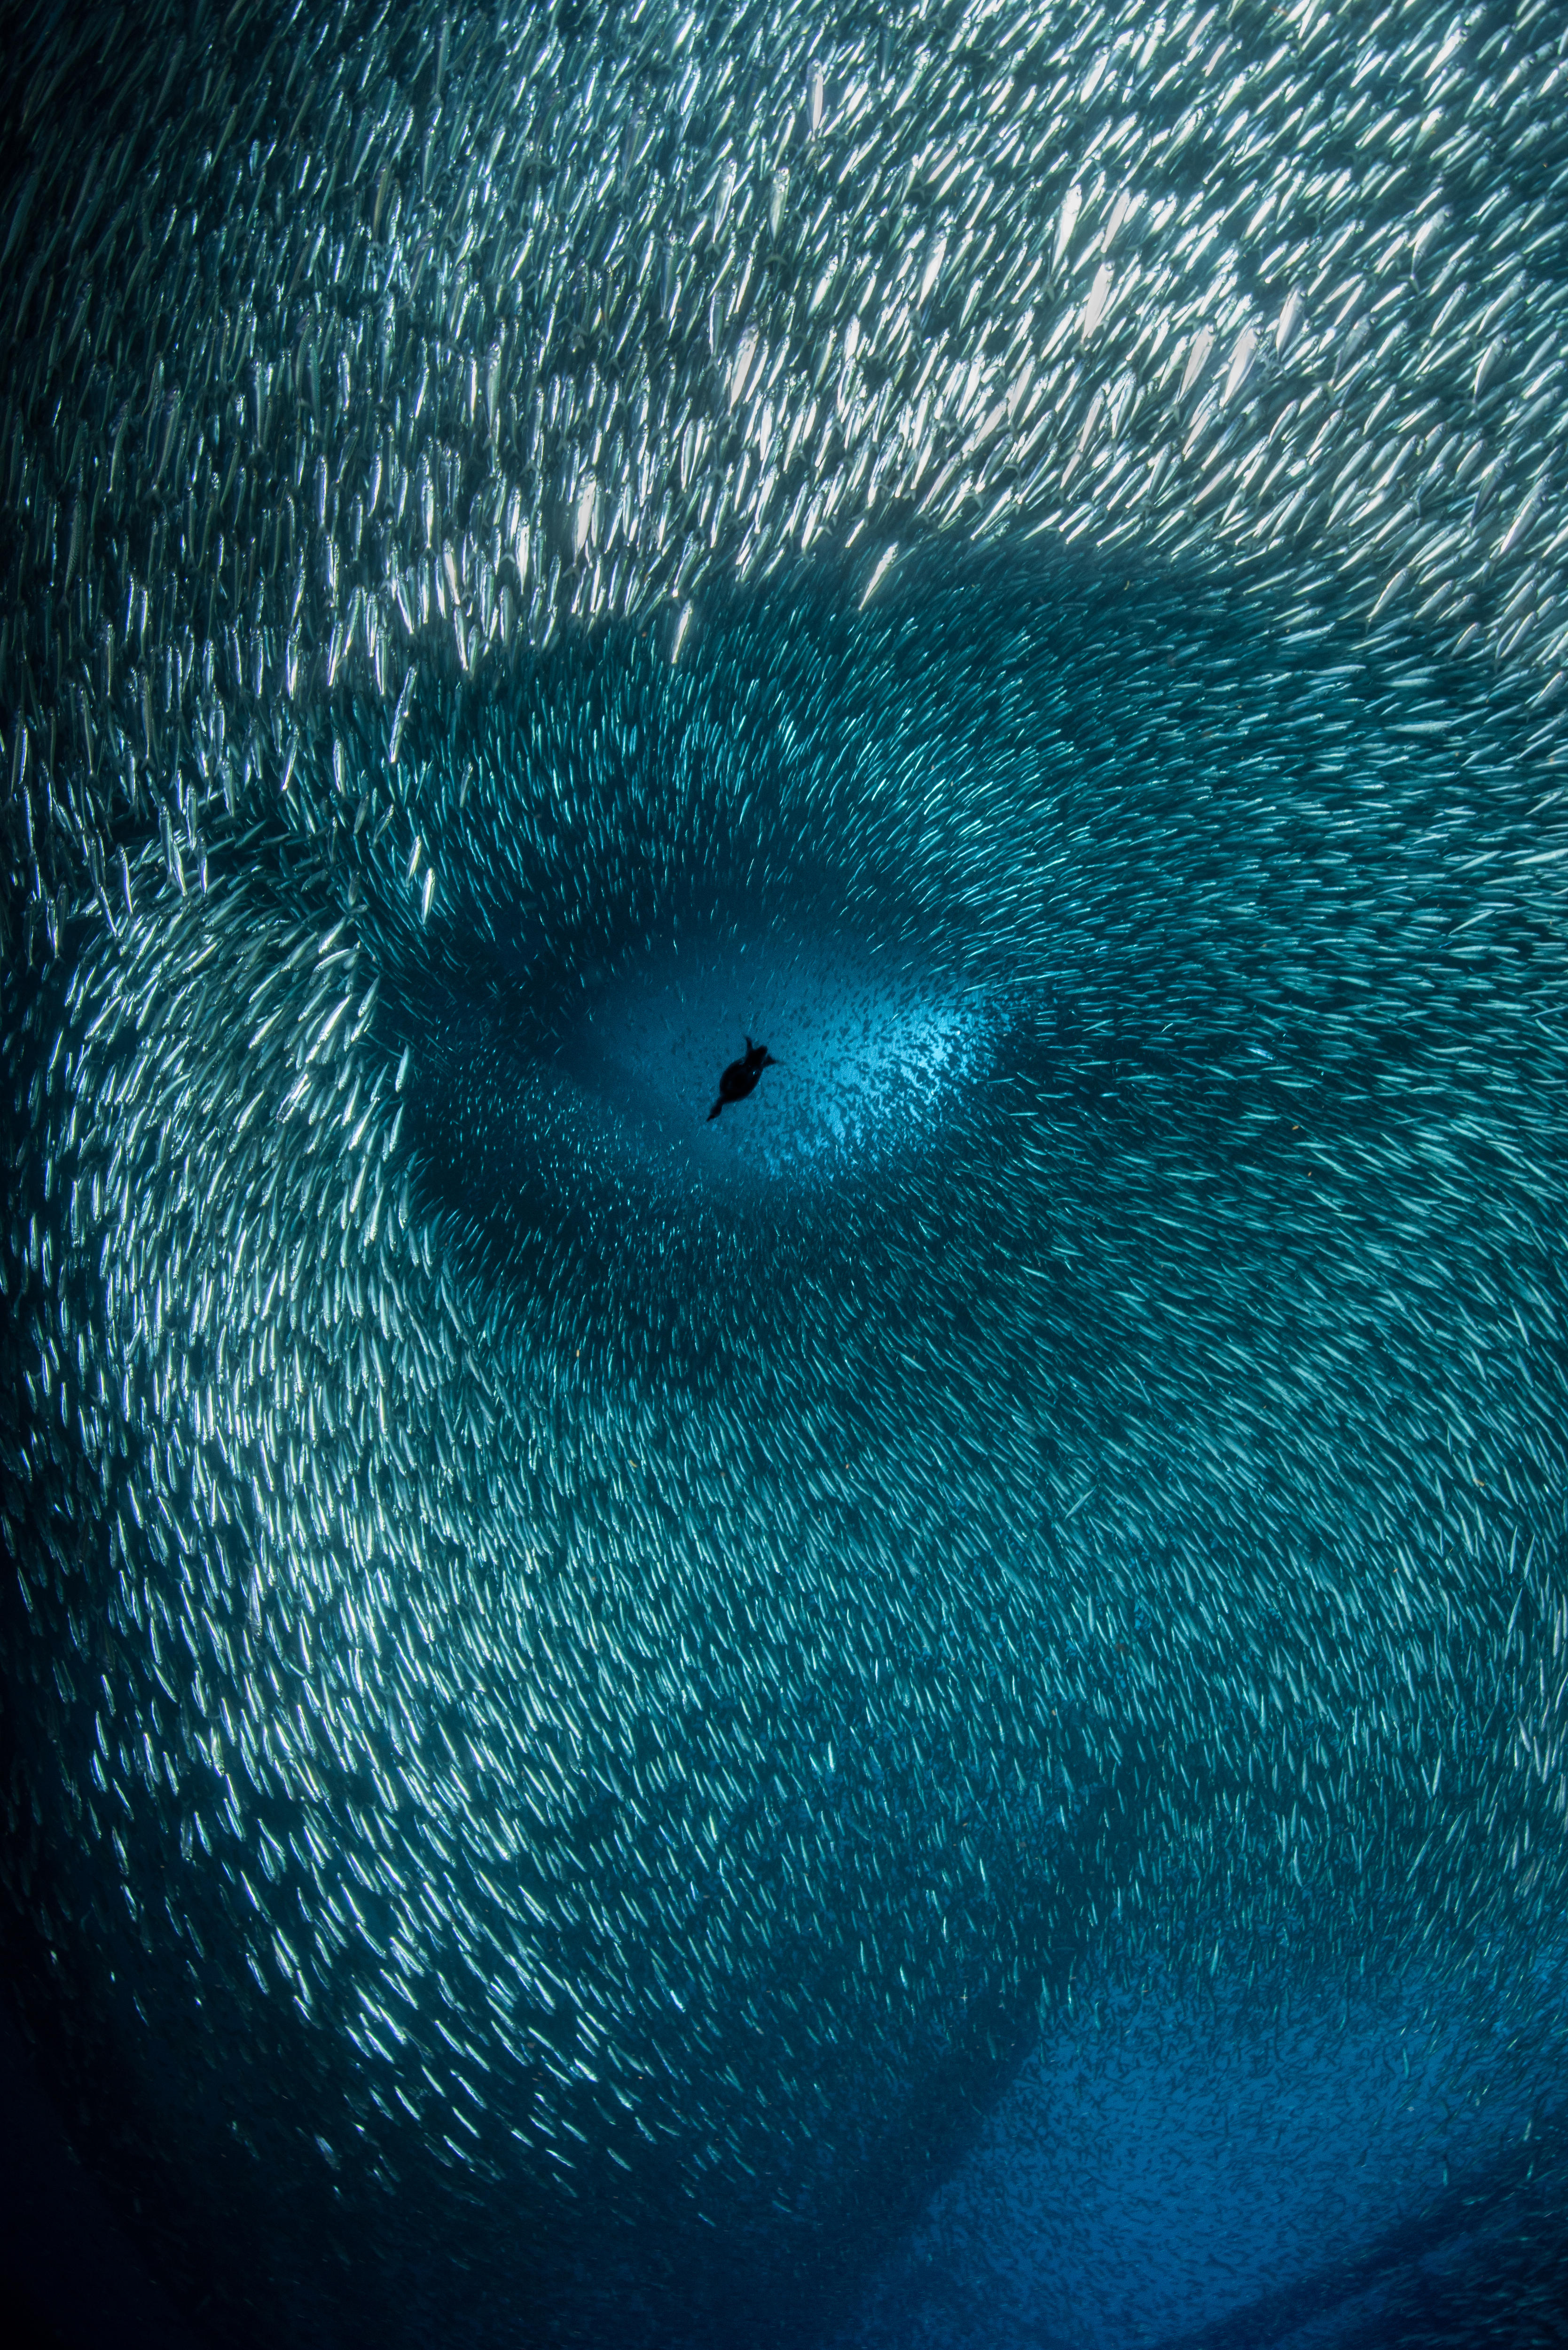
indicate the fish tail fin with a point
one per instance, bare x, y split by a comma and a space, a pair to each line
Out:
717, 1106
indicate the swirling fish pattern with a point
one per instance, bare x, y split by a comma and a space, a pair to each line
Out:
582, 1679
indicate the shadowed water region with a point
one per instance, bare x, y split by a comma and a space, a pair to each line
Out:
1177, 2174
929, 1711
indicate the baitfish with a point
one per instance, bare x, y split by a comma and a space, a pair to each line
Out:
570, 1708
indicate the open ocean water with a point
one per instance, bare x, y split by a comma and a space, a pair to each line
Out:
783, 1390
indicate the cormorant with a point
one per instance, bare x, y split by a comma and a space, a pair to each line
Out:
740, 1077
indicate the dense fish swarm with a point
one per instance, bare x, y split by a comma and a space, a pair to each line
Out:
578, 1678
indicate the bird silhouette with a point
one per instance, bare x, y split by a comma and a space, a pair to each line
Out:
740, 1077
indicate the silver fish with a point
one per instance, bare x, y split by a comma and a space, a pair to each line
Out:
578, 1682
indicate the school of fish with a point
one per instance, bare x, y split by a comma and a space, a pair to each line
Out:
579, 1679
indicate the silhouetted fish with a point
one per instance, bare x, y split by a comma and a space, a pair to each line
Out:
740, 1077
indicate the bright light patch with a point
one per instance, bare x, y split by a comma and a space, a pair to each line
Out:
870, 1058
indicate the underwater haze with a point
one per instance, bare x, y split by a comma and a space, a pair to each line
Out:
929, 1711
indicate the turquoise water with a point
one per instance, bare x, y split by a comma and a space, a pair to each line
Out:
929, 1712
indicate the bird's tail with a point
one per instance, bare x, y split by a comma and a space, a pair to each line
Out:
717, 1106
